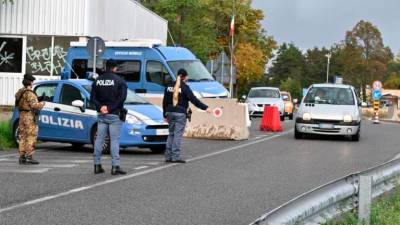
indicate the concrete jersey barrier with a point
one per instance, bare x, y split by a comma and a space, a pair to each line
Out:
232, 124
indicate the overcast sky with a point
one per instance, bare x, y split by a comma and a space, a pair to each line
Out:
309, 23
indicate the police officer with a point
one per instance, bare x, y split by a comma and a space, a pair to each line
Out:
175, 112
108, 95
28, 105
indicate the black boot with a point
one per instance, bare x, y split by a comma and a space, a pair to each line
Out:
98, 169
116, 170
30, 160
22, 160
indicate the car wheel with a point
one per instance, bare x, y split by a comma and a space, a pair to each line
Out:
106, 144
356, 137
158, 149
16, 133
297, 134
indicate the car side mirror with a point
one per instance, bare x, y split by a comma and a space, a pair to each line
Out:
80, 104
295, 101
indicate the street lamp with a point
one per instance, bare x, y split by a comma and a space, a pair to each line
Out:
329, 55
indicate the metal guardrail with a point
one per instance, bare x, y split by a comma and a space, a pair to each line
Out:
332, 199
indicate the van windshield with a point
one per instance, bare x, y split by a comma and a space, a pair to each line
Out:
264, 93
131, 99
330, 95
196, 70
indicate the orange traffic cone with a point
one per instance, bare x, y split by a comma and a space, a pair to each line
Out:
271, 120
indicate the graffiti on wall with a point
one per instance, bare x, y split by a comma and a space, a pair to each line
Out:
5, 57
40, 59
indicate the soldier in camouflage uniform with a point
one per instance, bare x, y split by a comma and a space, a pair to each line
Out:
28, 105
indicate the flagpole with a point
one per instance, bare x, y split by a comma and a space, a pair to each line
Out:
233, 33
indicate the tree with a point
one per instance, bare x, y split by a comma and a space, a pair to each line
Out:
316, 63
365, 42
289, 62
203, 27
293, 86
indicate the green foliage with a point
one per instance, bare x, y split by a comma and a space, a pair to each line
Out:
6, 135
293, 86
5, 1
386, 211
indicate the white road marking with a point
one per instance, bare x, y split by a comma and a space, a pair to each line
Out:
121, 178
140, 167
44, 165
152, 163
42, 170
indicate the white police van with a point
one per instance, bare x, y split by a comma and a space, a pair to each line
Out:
69, 117
146, 66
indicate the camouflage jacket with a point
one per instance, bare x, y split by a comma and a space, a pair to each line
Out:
28, 101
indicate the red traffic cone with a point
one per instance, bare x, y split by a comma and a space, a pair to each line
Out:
271, 120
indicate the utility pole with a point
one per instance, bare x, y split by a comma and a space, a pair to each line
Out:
329, 55
232, 34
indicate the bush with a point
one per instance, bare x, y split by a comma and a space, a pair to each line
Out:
6, 135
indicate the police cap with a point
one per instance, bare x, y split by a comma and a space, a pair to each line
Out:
182, 72
29, 77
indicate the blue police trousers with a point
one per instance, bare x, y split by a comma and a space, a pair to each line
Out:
177, 123
111, 124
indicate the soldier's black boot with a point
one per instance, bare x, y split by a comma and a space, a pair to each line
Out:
116, 170
22, 160
30, 160
98, 169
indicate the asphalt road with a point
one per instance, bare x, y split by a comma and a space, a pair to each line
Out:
224, 182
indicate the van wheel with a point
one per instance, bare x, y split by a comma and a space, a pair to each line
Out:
16, 133
106, 144
159, 149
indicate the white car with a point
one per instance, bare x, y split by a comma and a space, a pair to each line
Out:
259, 97
329, 109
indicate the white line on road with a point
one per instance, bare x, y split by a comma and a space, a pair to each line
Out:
140, 167
114, 180
44, 165
42, 170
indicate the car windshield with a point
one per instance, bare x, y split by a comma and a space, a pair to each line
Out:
330, 95
196, 70
131, 99
285, 97
264, 93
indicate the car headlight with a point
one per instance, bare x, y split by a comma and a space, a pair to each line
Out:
347, 119
131, 119
306, 116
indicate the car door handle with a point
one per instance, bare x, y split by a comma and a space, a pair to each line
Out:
140, 90
57, 109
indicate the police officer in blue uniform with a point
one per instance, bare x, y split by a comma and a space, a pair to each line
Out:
108, 95
177, 116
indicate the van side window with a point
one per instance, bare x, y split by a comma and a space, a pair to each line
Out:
69, 94
79, 68
157, 73
129, 70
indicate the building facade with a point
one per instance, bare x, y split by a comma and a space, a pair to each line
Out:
35, 34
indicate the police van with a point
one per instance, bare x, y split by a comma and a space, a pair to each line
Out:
146, 67
68, 116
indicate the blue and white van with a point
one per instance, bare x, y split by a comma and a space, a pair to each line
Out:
69, 117
146, 66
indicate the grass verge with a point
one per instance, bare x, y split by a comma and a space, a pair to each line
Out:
385, 211
6, 135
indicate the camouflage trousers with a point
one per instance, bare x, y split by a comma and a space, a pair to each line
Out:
28, 131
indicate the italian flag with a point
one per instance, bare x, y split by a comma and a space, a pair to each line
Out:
232, 26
